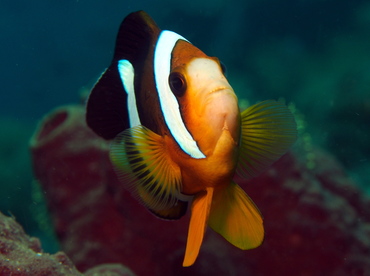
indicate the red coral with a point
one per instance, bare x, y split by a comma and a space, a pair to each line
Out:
317, 222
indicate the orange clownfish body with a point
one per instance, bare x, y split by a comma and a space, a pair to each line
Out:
179, 137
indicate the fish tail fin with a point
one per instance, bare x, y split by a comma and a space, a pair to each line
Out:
234, 215
198, 223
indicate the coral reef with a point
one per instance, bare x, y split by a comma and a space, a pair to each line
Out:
316, 221
21, 255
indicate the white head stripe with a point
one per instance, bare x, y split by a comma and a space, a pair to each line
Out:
169, 105
126, 72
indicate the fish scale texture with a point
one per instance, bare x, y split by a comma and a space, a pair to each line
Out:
316, 221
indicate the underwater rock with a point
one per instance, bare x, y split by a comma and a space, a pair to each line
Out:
21, 255
316, 221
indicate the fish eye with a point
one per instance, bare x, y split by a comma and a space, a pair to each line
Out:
177, 83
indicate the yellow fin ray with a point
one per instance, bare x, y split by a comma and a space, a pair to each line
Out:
268, 130
234, 215
198, 223
140, 159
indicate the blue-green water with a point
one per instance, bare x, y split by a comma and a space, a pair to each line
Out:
313, 53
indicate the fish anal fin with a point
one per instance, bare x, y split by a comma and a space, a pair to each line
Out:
198, 222
268, 131
234, 215
144, 166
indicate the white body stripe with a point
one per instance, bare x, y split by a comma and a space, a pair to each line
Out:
169, 105
126, 72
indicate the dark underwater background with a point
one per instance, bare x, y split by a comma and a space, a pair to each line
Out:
314, 54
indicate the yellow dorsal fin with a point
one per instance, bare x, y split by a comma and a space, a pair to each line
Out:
198, 223
234, 215
140, 158
268, 130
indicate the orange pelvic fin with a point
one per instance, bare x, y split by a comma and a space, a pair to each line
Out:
198, 223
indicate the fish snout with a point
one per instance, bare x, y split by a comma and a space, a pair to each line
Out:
223, 113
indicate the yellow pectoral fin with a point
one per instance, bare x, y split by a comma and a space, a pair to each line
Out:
198, 223
234, 215
268, 130
141, 159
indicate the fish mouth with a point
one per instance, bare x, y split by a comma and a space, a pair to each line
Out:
219, 89
225, 92
222, 111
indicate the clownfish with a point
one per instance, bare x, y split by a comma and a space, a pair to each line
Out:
178, 136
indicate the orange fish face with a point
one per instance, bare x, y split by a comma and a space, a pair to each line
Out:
210, 112
214, 105
207, 102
